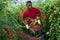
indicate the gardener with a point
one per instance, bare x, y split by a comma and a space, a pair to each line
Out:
30, 14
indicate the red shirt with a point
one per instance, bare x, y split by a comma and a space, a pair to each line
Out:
30, 14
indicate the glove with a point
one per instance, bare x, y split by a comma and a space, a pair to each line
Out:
27, 26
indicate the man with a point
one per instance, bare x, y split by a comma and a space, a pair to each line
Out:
30, 14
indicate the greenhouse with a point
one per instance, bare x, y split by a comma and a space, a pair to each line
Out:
14, 27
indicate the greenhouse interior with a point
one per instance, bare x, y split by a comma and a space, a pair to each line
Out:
41, 20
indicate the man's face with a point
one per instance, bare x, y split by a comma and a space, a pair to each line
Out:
29, 6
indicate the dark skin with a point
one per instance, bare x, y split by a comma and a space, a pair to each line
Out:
29, 6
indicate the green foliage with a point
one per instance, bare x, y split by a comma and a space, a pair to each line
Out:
3, 35
11, 17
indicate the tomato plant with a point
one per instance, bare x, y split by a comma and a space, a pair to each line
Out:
10, 16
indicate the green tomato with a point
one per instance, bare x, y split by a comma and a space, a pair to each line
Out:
47, 33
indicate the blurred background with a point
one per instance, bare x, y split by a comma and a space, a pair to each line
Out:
10, 19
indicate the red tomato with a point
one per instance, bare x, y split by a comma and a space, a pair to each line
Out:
8, 32
35, 27
34, 38
6, 28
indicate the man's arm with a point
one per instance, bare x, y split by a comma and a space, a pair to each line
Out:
39, 14
24, 22
24, 16
25, 19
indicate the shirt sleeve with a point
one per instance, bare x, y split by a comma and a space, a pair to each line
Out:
24, 14
38, 12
